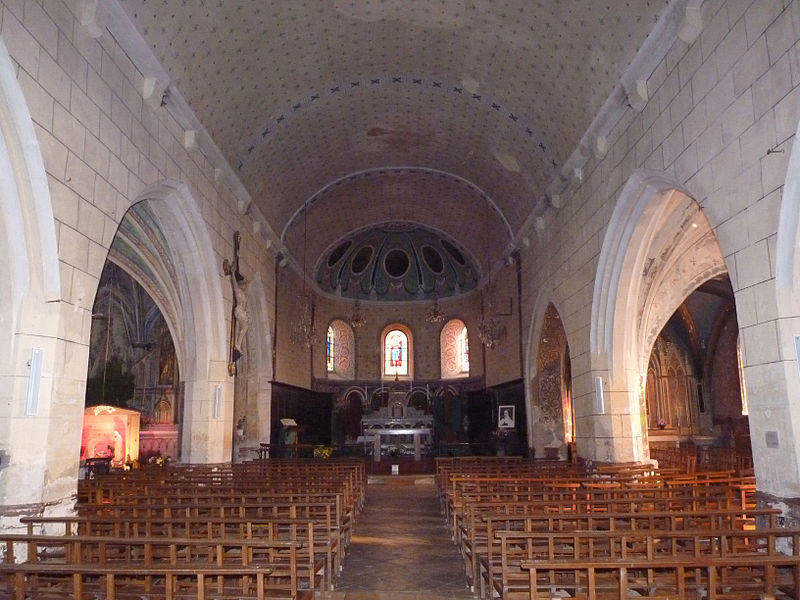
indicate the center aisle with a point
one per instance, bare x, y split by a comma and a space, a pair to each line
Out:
401, 548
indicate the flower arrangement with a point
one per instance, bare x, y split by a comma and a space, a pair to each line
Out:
500, 434
322, 451
662, 423
158, 460
396, 451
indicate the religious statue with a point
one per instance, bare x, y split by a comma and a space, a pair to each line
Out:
166, 359
240, 311
240, 320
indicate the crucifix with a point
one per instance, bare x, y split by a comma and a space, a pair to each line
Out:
240, 320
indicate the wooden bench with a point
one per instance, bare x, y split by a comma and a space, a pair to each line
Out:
276, 560
775, 577
319, 553
37, 580
501, 572
481, 540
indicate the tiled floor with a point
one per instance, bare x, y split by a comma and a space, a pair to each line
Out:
401, 549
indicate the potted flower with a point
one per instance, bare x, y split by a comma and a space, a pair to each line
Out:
500, 435
395, 452
322, 451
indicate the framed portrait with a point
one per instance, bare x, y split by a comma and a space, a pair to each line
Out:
505, 416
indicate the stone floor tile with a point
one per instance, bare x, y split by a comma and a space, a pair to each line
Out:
401, 549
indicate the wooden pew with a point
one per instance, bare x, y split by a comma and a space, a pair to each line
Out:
502, 573
46, 555
318, 556
481, 544
33, 580
731, 577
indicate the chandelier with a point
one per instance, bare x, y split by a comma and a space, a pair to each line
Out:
489, 328
304, 331
357, 318
434, 316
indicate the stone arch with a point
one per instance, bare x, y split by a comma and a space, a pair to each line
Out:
530, 367
28, 246
658, 247
42, 477
787, 268
547, 386
771, 378
163, 242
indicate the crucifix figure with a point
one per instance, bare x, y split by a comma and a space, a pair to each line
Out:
240, 320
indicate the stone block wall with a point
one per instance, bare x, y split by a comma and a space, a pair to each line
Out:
105, 144
720, 122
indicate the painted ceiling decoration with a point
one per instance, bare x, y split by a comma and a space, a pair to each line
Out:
387, 172
455, 90
141, 248
295, 98
397, 262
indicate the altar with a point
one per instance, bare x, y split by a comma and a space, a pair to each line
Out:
398, 430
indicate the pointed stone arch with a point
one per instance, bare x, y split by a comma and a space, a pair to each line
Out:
773, 384
550, 419
163, 242
37, 470
658, 247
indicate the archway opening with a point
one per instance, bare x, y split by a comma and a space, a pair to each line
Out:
552, 411
694, 393
133, 366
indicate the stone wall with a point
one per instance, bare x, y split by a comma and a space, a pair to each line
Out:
719, 124
293, 360
108, 139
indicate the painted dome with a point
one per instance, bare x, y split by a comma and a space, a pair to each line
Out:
396, 262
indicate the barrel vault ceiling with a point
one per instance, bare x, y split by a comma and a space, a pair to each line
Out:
458, 114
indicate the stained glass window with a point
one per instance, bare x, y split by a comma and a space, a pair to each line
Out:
339, 350
396, 353
454, 348
463, 351
330, 348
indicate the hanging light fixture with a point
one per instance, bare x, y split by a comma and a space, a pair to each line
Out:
435, 315
304, 331
489, 329
357, 318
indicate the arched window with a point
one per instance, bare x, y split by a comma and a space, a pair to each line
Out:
396, 351
454, 347
330, 348
339, 349
463, 351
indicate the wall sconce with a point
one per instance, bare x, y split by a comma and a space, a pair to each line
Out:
600, 408
34, 381
217, 400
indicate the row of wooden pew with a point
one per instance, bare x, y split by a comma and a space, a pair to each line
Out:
270, 530
536, 531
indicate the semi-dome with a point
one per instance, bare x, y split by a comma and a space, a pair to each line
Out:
398, 261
